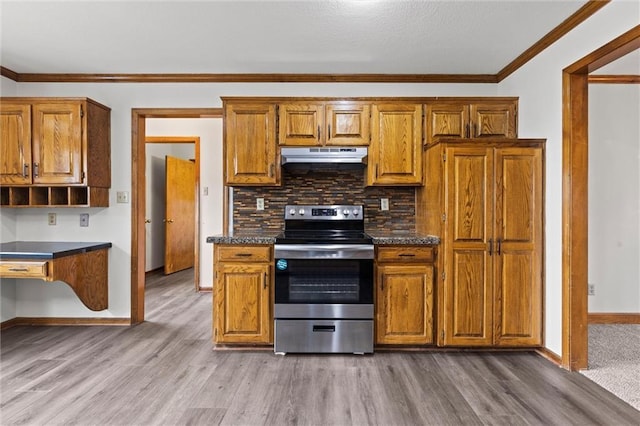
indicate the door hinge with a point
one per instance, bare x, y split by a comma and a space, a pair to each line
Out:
81, 111
442, 335
444, 157
83, 175
444, 217
444, 275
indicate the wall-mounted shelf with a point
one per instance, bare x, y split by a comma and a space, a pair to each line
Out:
53, 196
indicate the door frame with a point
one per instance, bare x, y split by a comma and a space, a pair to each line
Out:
184, 140
138, 196
575, 186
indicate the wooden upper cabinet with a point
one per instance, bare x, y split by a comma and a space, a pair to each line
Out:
348, 123
395, 152
491, 120
319, 124
62, 142
471, 120
15, 143
250, 145
57, 143
300, 124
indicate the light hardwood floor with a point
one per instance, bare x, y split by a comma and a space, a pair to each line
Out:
165, 371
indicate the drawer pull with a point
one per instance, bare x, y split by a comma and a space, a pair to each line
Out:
244, 254
19, 269
325, 328
407, 255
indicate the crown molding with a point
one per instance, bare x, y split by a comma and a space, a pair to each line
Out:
554, 35
613, 79
249, 78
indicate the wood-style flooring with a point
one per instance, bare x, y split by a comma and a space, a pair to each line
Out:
165, 371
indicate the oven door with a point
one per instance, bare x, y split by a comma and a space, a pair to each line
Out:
324, 281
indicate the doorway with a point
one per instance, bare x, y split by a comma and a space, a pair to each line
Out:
575, 172
172, 216
138, 196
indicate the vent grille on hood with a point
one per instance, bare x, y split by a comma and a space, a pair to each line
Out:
324, 158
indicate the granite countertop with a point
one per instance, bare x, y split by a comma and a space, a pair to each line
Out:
409, 238
257, 238
47, 249
378, 238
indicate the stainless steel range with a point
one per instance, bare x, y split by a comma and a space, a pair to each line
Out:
324, 281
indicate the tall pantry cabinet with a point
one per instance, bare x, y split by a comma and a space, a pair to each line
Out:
485, 199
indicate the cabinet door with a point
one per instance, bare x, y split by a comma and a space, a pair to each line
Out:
518, 256
395, 153
57, 143
468, 296
242, 312
250, 145
491, 120
404, 304
300, 124
15, 143
348, 124
446, 121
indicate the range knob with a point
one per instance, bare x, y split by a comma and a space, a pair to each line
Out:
301, 211
345, 212
356, 212
292, 212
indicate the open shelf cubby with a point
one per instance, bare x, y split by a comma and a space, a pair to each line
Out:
53, 196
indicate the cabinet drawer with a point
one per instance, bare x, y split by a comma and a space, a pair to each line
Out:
23, 269
405, 254
236, 253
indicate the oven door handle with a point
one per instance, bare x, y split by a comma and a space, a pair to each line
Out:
324, 251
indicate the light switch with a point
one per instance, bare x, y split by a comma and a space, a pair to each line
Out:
384, 204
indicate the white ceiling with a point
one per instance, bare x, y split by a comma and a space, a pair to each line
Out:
312, 36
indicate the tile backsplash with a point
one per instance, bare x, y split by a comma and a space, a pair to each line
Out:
322, 187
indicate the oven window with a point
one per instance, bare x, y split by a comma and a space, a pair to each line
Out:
324, 281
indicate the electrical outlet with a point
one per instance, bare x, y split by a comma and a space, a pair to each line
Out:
259, 203
205, 191
592, 289
51, 218
84, 219
384, 204
122, 197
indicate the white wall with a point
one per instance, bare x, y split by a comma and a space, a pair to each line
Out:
210, 132
539, 86
38, 299
614, 197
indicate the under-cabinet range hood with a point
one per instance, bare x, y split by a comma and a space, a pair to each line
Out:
329, 158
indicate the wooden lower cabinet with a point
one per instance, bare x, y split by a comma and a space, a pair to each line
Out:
404, 295
242, 295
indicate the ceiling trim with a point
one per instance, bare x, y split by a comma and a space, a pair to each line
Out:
614, 79
254, 78
554, 35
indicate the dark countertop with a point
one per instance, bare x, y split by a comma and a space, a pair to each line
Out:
47, 249
242, 239
409, 238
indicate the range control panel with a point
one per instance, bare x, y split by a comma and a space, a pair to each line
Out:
338, 212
